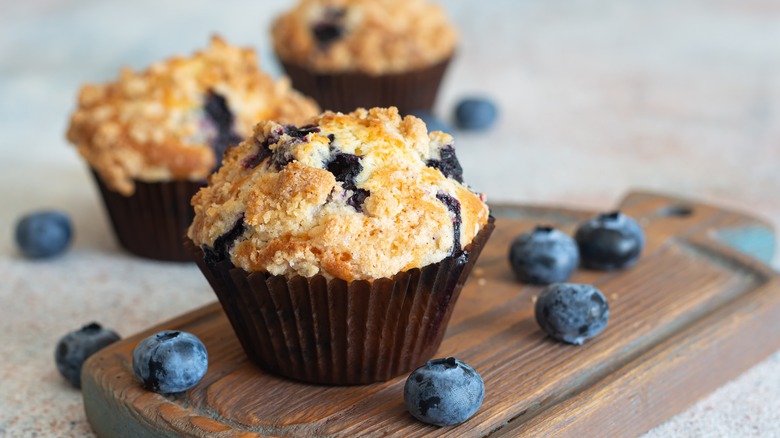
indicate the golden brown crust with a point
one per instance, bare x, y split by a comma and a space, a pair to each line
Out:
378, 36
151, 125
297, 192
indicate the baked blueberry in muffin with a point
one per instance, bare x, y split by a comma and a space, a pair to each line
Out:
329, 26
220, 115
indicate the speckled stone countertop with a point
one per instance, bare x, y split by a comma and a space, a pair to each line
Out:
596, 98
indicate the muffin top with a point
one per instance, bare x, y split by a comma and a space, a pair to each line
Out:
356, 196
174, 120
368, 36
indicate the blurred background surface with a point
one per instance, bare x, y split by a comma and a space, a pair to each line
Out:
596, 98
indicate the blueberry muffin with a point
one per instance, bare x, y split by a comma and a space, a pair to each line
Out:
363, 53
152, 137
358, 228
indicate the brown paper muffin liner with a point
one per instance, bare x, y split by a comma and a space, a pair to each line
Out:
151, 222
344, 92
338, 333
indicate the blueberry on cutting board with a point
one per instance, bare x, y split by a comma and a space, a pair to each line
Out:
76, 347
444, 392
610, 241
170, 361
543, 255
43, 234
475, 114
572, 313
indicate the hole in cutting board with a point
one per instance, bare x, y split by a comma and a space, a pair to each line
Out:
676, 210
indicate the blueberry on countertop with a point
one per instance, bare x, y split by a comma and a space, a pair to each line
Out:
74, 348
543, 255
432, 122
610, 241
572, 313
444, 392
475, 114
43, 234
170, 361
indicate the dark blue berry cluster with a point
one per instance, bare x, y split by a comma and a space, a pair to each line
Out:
545, 255
570, 312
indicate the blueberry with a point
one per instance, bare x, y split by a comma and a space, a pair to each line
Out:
444, 392
453, 205
329, 28
74, 348
571, 312
300, 131
43, 234
610, 241
346, 168
447, 163
283, 153
170, 361
221, 249
543, 255
216, 108
475, 114
431, 121
263, 149
357, 200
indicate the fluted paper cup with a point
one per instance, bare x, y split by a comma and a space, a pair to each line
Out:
344, 92
150, 223
333, 332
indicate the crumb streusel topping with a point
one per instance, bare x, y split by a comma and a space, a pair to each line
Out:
363, 195
174, 120
368, 36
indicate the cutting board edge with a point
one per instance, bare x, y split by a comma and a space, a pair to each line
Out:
741, 318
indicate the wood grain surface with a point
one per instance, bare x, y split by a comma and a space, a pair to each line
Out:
692, 314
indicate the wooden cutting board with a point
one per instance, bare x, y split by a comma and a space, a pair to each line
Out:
696, 311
